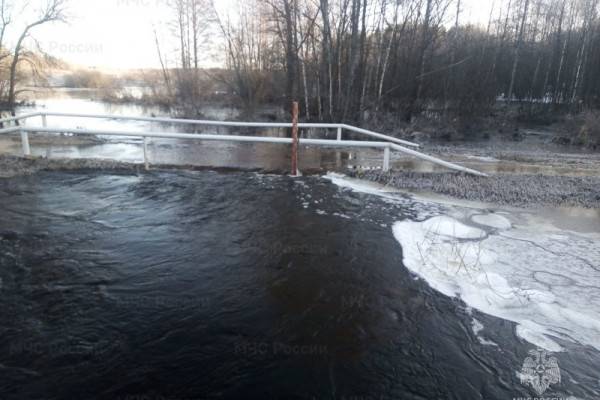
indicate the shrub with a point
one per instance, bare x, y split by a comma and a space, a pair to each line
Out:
90, 79
590, 131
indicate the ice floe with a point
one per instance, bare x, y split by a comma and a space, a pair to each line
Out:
449, 227
492, 220
548, 284
477, 328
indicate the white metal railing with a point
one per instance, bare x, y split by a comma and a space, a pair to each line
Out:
389, 144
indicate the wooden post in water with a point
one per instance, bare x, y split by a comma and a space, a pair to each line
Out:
295, 138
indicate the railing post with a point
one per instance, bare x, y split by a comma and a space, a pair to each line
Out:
25, 143
386, 159
295, 139
44, 121
339, 133
146, 163
16, 120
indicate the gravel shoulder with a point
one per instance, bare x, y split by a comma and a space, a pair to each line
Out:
514, 190
11, 166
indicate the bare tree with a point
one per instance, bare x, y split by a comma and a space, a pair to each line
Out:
52, 11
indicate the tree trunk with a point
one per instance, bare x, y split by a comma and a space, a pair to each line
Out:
328, 54
517, 52
15, 63
557, 89
421, 61
290, 50
305, 84
386, 59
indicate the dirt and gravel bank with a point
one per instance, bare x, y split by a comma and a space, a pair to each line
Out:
514, 190
14, 166
11, 166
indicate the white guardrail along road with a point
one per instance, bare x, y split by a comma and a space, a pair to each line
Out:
387, 143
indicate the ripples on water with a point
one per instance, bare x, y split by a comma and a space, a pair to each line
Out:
208, 285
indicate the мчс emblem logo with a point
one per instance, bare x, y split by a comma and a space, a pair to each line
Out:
540, 371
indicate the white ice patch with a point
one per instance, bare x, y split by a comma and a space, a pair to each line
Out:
355, 184
449, 227
483, 158
477, 328
548, 283
492, 220
342, 215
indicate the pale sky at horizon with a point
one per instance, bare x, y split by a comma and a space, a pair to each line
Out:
118, 34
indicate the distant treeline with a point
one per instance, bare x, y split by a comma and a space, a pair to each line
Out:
350, 59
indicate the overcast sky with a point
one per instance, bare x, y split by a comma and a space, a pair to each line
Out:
118, 34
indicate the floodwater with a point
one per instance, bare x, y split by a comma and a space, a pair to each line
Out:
265, 156
174, 151
199, 285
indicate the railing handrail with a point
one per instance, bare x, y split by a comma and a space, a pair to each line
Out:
20, 117
379, 135
389, 144
10, 130
204, 136
215, 123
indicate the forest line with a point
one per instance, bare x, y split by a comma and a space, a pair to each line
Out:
349, 59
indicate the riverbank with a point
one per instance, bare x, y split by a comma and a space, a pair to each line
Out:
13, 166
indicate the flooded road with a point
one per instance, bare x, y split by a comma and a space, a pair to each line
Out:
196, 285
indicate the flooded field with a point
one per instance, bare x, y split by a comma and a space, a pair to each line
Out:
169, 151
197, 285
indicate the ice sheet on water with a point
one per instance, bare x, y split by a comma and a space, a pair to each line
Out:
492, 220
449, 227
549, 286
545, 279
